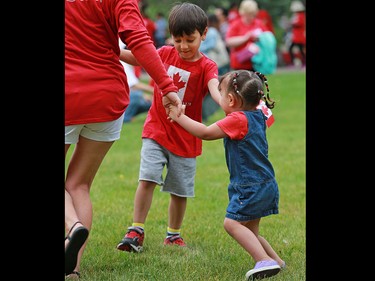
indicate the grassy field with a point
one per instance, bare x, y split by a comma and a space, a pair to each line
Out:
211, 253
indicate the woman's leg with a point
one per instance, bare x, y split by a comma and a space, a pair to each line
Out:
83, 166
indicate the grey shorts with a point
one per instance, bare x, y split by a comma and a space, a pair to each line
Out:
180, 171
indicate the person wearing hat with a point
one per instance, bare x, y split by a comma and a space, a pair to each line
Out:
298, 25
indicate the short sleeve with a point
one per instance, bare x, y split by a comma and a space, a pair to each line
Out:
235, 125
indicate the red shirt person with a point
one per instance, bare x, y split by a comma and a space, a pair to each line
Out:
96, 96
266, 18
298, 39
86, 63
242, 32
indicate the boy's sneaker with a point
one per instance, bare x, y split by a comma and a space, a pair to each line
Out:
175, 240
132, 241
263, 269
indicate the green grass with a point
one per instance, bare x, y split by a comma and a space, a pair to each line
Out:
211, 253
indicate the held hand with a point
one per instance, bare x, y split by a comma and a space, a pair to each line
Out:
172, 99
173, 112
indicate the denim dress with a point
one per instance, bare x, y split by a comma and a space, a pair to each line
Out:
253, 191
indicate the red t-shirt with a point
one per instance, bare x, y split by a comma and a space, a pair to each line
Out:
151, 27
266, 18
299, 28
233, 14
239, 28
191, 78
96, 88
234, 125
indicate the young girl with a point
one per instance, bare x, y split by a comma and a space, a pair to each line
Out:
253, 191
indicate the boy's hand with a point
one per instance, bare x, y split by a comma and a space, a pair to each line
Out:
172, 99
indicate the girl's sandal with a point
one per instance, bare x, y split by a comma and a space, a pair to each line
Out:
76, 239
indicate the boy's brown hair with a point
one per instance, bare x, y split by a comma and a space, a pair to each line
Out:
185, 18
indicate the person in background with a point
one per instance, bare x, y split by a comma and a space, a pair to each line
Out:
222, 15
266, 18
233, 13
298, 32
161, 30
140, 93
96, 96
151, 28
149, 23
253, 190
214, 48
242, 34
166, 144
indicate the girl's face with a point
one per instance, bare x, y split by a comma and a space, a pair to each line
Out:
188, 45
225, 98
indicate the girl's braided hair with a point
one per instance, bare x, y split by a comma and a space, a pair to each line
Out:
249, 86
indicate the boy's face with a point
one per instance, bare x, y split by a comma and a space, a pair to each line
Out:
188, 45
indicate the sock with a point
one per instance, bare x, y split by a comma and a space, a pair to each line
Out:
139, 225
172, 232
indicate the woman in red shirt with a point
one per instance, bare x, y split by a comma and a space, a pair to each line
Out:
96, 96
241, 33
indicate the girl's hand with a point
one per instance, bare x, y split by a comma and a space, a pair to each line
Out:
172, 99
174, 113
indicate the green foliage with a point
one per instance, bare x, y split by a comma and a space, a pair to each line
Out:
211, 253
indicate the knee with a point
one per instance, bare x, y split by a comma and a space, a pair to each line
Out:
72, 188
228, 225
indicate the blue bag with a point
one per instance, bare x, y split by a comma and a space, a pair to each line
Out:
265, 61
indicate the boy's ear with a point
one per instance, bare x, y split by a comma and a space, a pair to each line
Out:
204, 33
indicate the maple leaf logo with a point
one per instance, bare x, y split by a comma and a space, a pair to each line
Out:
177, 82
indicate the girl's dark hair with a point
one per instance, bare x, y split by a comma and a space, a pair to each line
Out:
249, 87
186, 18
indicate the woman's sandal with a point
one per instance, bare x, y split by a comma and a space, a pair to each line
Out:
76, 240
73, 275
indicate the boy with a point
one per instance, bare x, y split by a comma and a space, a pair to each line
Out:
165, 143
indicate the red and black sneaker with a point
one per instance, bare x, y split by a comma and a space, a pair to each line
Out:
175, 240
132, 241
